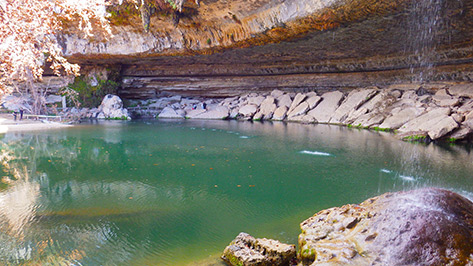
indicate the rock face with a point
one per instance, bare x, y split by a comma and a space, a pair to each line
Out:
342, 44
422, 227
112, 108
246, 250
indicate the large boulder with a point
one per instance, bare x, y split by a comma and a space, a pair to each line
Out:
193, 113
354, 100
257, 100
280, 113
220, 112
376, 106
442, 98
301, 109
461, 133
267, 108
112, 108
248, 110
276, 93
297, 100
428, 226
284, 100
466, 107
168, 112
325, 109
462, 90
313, 100
436, 123
305, 119
246, 250
369, 120
400, 116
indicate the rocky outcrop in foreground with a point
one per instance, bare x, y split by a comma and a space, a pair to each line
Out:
428, 226
415, 112
422, 227
246, 250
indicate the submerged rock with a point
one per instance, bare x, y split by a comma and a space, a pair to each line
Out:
246, 250
428, 226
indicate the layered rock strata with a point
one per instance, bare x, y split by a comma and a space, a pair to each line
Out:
221, 49
414, 112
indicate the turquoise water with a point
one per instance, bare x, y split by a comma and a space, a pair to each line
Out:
177, 192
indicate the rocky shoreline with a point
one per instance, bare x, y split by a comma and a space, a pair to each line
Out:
414, 112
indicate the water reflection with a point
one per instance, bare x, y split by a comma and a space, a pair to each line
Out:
172, 193
18, 206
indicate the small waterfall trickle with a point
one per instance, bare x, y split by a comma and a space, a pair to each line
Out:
424, 25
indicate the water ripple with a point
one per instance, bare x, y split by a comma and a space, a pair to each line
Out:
318, 153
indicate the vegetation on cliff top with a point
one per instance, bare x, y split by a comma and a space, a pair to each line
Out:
29, 30
28, 39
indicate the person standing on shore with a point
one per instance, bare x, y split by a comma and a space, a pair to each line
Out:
14, 115
21, 114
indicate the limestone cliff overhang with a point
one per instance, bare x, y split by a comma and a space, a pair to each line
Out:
287, 43
216, 25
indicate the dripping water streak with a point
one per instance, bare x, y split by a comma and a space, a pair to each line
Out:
423, 28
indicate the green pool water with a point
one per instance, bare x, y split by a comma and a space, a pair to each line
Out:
177, 192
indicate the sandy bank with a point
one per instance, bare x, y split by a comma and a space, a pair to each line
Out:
8, 124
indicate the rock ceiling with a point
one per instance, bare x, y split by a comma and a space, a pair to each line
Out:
222, 45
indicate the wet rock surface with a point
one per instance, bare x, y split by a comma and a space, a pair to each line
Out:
246, 250
422, 227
